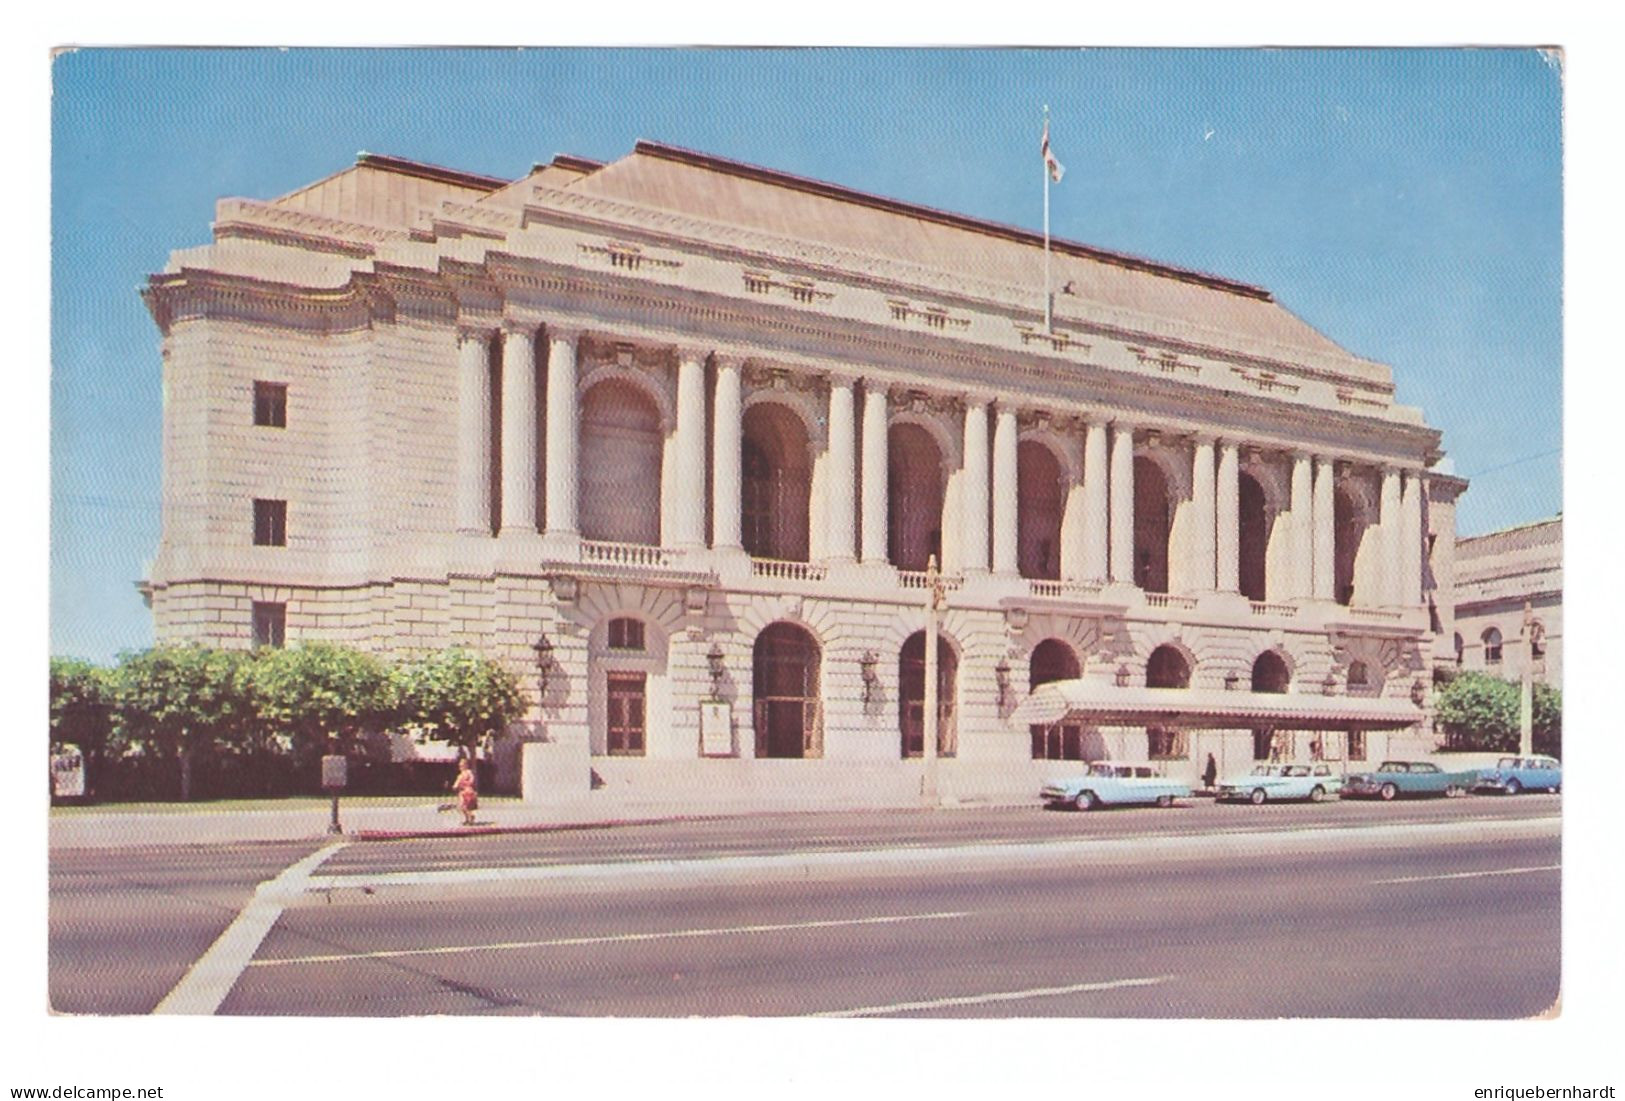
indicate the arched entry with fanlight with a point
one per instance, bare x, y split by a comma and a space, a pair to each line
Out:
1054, 660
784, 678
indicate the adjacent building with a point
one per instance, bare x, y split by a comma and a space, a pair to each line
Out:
680, 438
1509, 602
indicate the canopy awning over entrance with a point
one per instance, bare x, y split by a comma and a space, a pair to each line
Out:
1108, 705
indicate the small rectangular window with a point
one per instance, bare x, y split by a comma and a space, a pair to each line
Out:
626, 634
270, 523
270, 624
1356, 745
271, 404
1163, 745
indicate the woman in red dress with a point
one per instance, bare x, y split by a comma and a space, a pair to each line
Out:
467, 798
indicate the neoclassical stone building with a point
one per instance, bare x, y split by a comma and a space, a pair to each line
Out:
1497, 575
676, 437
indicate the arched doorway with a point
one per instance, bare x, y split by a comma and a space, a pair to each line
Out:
621, 446
911, 696
1270, 673
776, 483
1153, 520
1166, 668
784, 682
914, 488
1053, 660
1252, 538
1349, 524
1040, 500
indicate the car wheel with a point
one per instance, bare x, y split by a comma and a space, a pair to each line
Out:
1454, 791
1165, 800
1513, 787
1317, 793
1257, 797
1085, 800
1388, 792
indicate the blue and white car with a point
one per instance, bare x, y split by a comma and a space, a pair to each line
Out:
1111, 783
1270, 783
1512, 775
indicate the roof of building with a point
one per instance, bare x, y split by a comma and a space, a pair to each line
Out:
1540, 533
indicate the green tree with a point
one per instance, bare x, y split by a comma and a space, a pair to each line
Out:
181, 703
321, 697
1548, 720
82, 711
1478, 711
457, 696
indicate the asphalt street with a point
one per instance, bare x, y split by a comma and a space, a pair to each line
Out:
1435, 909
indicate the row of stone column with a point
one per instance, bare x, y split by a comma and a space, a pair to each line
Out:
1106, 533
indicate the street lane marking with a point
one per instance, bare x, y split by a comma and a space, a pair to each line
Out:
985, 999
964, 857
208, 981
615, 938
1469, 875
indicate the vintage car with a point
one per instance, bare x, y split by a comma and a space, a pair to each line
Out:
1267, 783
1392, 779
1514, 774
1110, 783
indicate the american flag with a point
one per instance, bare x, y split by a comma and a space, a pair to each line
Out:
1054, 166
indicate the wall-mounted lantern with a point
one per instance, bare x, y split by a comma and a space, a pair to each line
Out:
1419, 692
1123, 675
1001, 675
1328, 686
544, 661
1231, 679
713, 661
869, 663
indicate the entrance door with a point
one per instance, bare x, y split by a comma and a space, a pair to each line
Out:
911, 696
785, 683
626, 714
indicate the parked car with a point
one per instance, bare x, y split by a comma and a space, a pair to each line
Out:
1112, 783
1514, 774
1392, 779
1267, 783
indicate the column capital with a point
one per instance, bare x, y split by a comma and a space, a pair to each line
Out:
564, 333
842, 378
523, 326
729, 359
981, 398
1226, 443
475, 330
876, 386
692, 353
1209, 438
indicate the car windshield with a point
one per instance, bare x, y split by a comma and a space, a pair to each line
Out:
1423, 766
1394, 766
1507, 762
1102, 770
1297, 770
1264, 770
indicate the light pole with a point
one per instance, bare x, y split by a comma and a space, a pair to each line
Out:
936, 599
1526, 697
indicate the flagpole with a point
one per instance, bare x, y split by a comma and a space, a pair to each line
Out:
1049, 303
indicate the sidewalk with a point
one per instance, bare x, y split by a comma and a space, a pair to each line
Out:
599, 809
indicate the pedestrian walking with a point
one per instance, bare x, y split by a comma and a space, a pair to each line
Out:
468, 798
1210, 773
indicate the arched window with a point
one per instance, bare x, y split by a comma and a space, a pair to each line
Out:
621, 449
1358, 676
1349, 524
911, 696
1270, 673
1153, 520
776, 483
1040, 499
1054, 660
1492, 647
1167, 668
914, 488
1252, 538
784, 680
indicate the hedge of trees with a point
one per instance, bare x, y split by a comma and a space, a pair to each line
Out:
184, 722
1480, 712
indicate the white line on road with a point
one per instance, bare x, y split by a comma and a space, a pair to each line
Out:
1469, 875
984, 999
615, 938
208, 981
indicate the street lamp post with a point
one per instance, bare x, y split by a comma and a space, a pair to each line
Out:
935, 601
1526, 697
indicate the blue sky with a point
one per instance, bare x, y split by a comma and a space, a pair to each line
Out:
1405, 202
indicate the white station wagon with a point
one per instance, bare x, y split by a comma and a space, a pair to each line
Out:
1267, 783
1111, 783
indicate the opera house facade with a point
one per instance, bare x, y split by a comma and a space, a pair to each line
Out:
680, 439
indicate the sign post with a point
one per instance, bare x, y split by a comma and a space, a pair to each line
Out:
335, 771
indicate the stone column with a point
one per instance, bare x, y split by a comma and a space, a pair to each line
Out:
1325, 537
726, 428
840, 518
518, 428
474, 433
1303, 529
876, 463
563, 433
1388, 592
1095, 509
973, 487
1227, 506
683, 488
1004, 491
1122, 503
1204, 543
1410, 534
